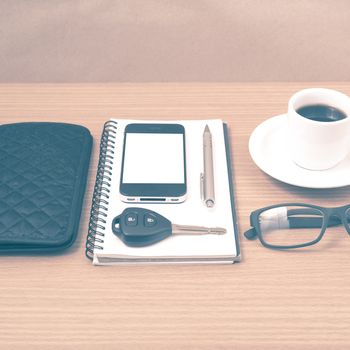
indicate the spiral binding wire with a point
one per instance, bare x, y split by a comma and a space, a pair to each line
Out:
100, 198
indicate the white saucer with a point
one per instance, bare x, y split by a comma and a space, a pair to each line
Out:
267, 147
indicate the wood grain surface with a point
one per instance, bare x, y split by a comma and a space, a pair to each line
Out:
271, 300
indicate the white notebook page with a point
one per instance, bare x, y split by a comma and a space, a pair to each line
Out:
190, 212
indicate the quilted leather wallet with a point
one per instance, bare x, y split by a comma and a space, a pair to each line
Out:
43, 172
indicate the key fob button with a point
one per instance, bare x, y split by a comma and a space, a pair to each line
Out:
131, 219
149, 220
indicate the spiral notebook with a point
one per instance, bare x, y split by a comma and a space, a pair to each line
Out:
104, 248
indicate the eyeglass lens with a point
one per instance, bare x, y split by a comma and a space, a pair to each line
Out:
290, 225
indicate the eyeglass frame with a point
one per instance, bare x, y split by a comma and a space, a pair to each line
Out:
338, 214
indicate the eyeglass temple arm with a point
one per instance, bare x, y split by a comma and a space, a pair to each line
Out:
309, 222
300, 222
251, 234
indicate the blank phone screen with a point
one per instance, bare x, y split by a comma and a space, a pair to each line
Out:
153, 158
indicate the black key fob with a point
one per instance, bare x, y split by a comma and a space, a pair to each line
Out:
138, 227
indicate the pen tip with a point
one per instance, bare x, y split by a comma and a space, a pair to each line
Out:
206, 129
209, 203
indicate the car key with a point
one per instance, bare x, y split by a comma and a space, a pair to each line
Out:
139, 227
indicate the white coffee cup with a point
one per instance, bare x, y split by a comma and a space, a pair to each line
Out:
313, 144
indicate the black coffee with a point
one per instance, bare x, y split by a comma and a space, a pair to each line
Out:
321, 113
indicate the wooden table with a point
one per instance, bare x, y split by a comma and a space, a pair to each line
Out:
271, 300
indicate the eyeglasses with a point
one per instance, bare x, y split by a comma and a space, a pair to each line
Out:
295, 225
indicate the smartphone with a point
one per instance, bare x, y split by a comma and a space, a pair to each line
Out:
154, 164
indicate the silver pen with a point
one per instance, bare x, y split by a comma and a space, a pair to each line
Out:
207, 177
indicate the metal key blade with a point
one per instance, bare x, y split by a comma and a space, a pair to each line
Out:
196, 230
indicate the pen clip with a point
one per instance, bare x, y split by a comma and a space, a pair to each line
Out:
202, 186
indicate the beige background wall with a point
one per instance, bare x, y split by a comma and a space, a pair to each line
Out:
178, 40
